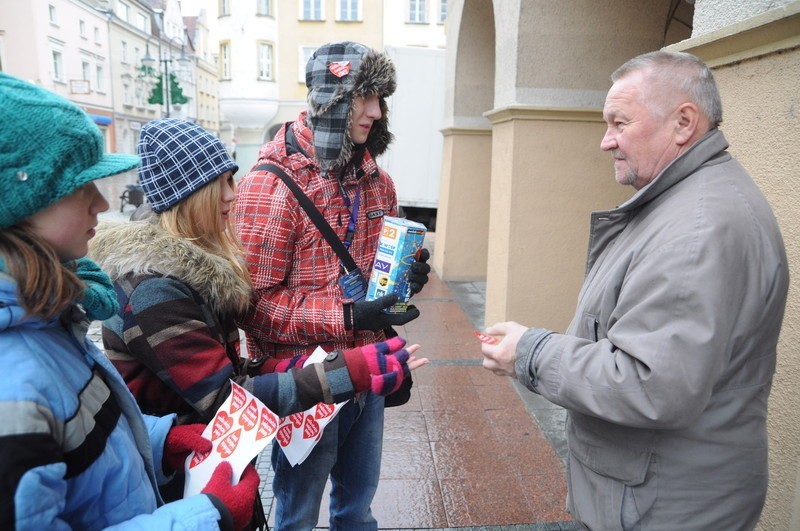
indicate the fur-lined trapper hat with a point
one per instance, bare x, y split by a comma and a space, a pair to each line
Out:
335, 74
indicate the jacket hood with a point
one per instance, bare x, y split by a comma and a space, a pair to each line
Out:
335, 74
144, 248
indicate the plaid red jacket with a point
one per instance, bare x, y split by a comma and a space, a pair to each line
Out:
298, 303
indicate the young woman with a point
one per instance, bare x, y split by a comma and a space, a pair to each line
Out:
181, 281
76, 451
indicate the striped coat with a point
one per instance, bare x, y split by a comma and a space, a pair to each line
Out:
75, 451
174, 339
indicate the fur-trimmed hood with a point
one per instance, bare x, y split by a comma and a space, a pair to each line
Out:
144, 248
335, 74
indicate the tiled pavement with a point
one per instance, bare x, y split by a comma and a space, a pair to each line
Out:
469, 451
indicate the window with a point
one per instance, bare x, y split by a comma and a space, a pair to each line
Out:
349, 10
51, 9
97, 35
311, 10
82, 28
225, 60
124, 52
442, 11
124, 11
264, 7
58, 66
305, 54
85, 70
224, 7
99, 82
416, 11
264, 60
142, 23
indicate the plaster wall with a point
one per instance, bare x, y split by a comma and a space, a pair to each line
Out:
711, 15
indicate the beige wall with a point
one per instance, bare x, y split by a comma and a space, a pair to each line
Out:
757, 67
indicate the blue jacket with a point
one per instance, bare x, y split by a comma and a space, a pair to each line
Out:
75, 451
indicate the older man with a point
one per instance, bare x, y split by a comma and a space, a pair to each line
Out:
667, 365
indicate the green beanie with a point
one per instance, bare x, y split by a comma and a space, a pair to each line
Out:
48, 149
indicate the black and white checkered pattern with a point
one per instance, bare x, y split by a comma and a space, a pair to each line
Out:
329, 96
178, 158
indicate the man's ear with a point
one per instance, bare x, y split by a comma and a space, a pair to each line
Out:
688, 118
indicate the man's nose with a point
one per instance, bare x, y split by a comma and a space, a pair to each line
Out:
609, 141
374, 108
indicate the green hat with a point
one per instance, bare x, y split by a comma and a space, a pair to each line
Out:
48, 149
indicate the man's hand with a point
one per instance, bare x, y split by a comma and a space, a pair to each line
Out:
500, 358
369, 315
418, 276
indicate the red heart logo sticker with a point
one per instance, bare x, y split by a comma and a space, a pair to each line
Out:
311, 428
339, 68
284, 435
323, 411
269, 423
238, 396
229, 443
222, 423
198, 458
296, 420
249, 416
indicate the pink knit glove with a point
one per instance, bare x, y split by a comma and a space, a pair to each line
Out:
379, 367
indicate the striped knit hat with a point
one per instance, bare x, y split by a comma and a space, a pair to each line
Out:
178, 158
335, 74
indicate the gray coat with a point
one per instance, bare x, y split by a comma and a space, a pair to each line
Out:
667, 365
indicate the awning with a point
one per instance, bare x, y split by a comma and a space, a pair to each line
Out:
99, 119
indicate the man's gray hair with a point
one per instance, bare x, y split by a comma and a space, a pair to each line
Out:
682, 72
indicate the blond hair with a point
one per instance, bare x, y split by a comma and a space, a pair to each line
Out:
44, 286
197, 219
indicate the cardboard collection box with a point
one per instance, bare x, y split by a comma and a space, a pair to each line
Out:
399, 243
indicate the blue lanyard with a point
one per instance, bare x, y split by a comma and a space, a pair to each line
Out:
351, 225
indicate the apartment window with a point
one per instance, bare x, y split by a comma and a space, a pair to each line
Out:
82, 28
416, 11
99, 80
305, 54
124, 51
85, 71
264, 60
442, 11
124, 11
349, 10
142, 22
225, 60
264, 7
311, 10
224, 7
58, 66
51, 10
97, 35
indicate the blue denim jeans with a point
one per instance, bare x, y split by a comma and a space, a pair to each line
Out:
350, 453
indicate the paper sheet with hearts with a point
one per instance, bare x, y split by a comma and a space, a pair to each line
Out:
241, 428
299, 433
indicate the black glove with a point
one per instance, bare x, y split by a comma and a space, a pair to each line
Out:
369, 315
419, 271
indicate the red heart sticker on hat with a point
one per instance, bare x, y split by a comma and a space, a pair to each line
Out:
339, 68
238, 397
269, 423
311, 429
323, 411
222, 424
284, 435
249, 416
229, 443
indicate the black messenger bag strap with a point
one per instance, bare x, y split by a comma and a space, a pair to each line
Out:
324, 227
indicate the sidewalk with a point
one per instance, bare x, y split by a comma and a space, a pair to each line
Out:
470, 450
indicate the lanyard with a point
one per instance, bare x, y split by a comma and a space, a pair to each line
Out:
351, 225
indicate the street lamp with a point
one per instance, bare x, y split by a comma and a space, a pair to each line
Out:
149, 62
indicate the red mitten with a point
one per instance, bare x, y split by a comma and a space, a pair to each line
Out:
181, 441
239, 498
379, 367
